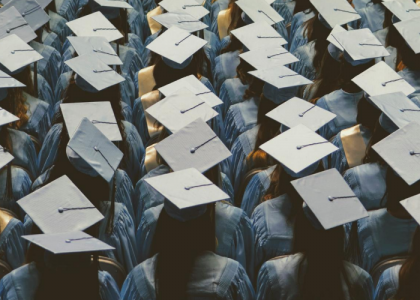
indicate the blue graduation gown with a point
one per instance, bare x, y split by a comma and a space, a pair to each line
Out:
285, 9
215, 9
372, 17
22, 284
12, 246
305, 66
44, 90
24, 152
297, 21
51, 39
39, 122
388, 283
59, 27
413, 78
232, 92
223, 278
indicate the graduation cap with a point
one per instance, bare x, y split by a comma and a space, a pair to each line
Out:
403, 10
281, 77
109, 8
191, 7
99, 113
30, 10
60, 207
5, 156
11, 22
15, 54
177, 47
398, 108
68, 242
336, 30
331, 201
335, 12
95, 25
42, 3
412, 205
92, 74
97, 46
382, 79
181, 20
410, 31
260, 11
7, 82
194, 146
259, 35
186, 193
113, 3
193, 84
298, 148
360, 46
265, 58
401, 152
92, 153
180, 109
6, 118
297, 111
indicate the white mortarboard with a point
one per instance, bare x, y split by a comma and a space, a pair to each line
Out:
401, 150
114, 3
259, 35
68, 242
177, 45
95, 25
361, 45
382, 79
195, 86
8, 82
330, 199
187, 6
187, 188
403, 10
11, 22
260, 11
194, 146
181, 20
336, 30
410, 31
397, 107
93, 74
60, 207
336, 12
92, 149
281, 77
265, 58
6, 118
96, 45
298, 148
412, 205
30, 10
42, 3
297, 111
180, 109
16, 54
5, 157
99, 113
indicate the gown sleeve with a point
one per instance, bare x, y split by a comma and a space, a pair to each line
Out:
108, 288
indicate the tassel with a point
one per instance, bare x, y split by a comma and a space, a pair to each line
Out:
112, 193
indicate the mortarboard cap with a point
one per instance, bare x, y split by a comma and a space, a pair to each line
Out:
68, 242
193, 84
5, 157
412, 205
113, 3
382, 79
194, 146
60, 207
92, 74
410, 31
281, 77
11, 22
260, 11
176, 46
403, 10
298, 148
42, 3
335, 12
99, 113
330, 199
92, 153
6, 118
30, 10
95, 25
191, 7
186, 192
401, 150
7, 82
336, 30
259, 35
15, 54
97, 46
109, 8
297, 111
180, 109
265, 58
181, 20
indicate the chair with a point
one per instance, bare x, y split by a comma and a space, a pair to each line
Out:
385, 264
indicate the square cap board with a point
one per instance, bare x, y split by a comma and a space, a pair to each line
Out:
260, 11
12, 22
403, 10
191, 7
410, 31
30, 10
281, 77
412, 205
8, 82
265, 58
181, 20
336, 12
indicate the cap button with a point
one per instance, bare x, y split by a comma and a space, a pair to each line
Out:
60, 210
95, 71
192, 150
8, 30
96, 148
331, 198
299, 147
301, 115
412, 152
68, 241
13, 52
94, 50
23, 14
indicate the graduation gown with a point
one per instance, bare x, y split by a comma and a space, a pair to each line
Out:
231, 92
388, 283
39, 122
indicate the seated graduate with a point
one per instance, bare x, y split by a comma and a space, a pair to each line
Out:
303, 11
91, 160
90, 86
55, 32
372, 16
191, 269
318, 270
388, 231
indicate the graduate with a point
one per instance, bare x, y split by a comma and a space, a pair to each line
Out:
372, 16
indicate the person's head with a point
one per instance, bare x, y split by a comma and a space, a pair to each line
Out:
397, 190
409, 58
367, 114
303, 5
255, 85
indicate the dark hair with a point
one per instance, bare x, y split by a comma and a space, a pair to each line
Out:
255, 85
409, 58
235, 23
178, 244
408, 287
378, 135
367, 114
397, 190
304, 6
